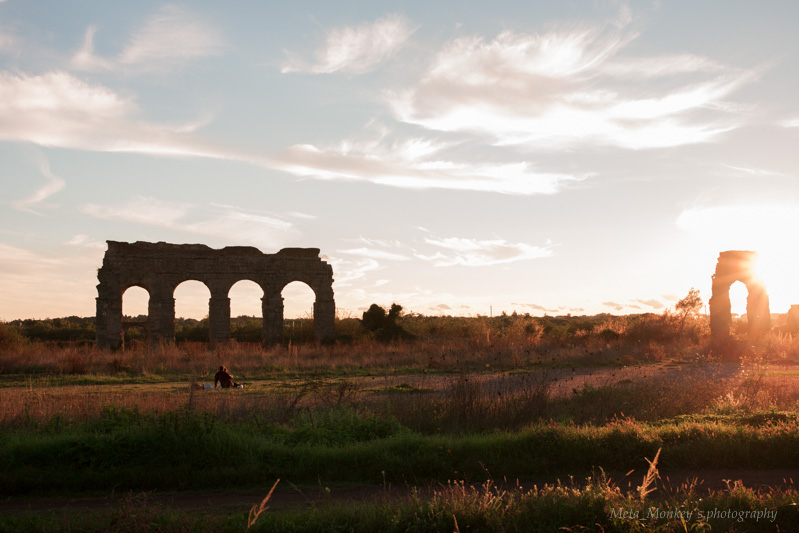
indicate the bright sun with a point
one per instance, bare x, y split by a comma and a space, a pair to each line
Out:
765, 230
778, 267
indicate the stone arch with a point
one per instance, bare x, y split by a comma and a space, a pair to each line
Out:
247, 284
324, 307
127, 295
298, 294
131, 323
188, 286
182, 285
298, 298
161, 267
733, 266
127, 327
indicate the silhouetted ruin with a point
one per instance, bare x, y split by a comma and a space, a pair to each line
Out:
793, 319
732, 266
160, 267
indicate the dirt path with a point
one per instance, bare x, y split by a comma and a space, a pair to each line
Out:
286, 496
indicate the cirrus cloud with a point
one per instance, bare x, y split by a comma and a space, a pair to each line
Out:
355, 49
227, 223
566, 87
171, 37
417, 163
57, 109
473, 252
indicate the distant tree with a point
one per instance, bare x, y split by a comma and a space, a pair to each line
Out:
384, 325
374, 318
688, 306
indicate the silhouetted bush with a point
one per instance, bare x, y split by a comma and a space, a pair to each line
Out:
383, 326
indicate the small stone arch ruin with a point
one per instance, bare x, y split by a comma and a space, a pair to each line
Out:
160, 267
732, 266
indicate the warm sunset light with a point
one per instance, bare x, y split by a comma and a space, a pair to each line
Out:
373, 265
527, 157
779, 269
757, 228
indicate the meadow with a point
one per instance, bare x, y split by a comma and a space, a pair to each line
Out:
508, 423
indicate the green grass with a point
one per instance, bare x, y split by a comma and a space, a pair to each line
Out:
593, 505
131, 450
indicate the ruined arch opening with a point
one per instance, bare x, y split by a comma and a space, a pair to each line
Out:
134, 334
738, 266
738, 296
191, 311
246, 311
135, 316
298, 312
135, 303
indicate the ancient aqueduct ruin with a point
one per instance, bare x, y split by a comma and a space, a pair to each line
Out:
160, 267
732, 266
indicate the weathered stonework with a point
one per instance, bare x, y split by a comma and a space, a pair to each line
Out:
160, 267
732, 266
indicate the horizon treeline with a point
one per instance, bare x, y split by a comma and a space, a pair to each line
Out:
75, 329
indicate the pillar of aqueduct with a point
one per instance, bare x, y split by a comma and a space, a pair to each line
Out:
732, 266
160, 267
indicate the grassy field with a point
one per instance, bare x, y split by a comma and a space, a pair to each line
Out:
454, 414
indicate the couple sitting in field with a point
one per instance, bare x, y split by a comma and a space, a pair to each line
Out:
224, 379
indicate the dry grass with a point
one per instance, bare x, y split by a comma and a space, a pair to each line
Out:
451, 344
427, 403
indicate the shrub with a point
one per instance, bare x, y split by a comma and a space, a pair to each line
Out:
10, 337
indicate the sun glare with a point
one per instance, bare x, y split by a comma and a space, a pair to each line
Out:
762, 229
778, 268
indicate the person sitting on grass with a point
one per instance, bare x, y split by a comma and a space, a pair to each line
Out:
225, 380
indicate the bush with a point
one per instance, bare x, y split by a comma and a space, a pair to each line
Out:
383, 326
10, 337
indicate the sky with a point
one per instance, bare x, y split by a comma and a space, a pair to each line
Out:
457, 158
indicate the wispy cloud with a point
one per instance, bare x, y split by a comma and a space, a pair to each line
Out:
746, 171
347, 270
614, 305
473, 252
536, 307
60, 110
85, 58
375, 254
567, 87
54, 184
355, 49
416, 163
655, 304
224, 222
451, 251
84, 241
57, 109
170, 38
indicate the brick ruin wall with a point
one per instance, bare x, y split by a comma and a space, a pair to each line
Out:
160, 267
